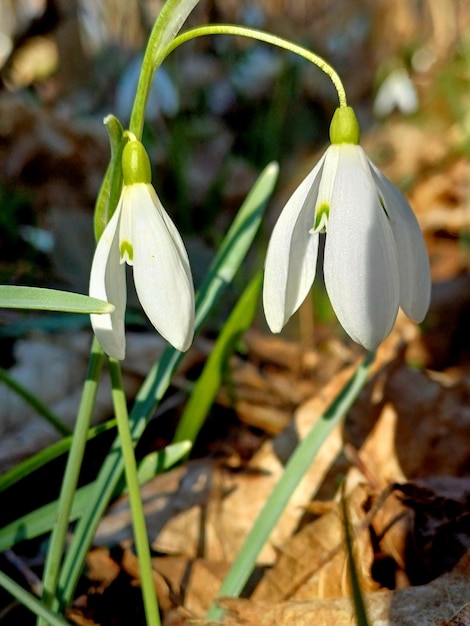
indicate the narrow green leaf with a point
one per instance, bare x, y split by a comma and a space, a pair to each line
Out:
358, 596
226, 263
161, 460
209, 381
36, 298
30, 601
40, 408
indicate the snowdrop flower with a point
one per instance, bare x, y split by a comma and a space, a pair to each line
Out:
141, 234
375, 257
397, 91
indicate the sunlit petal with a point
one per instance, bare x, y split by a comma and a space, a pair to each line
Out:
360, 266
108, 282
412, 255
292, 254
161, 268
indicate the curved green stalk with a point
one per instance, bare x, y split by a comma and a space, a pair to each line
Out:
138, 517
259, 35
168, 23
295, 469
70, 480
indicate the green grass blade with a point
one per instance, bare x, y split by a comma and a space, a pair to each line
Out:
30, 601
222, 270
295, 469
358, 598
158, 462
36, 298
34, 402
209, 381
41, 521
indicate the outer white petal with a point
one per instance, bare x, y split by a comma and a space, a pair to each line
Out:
360, 266
108, 282
162, 274
413, 259
291, 258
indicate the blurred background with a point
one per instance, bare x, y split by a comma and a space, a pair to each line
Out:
220, 110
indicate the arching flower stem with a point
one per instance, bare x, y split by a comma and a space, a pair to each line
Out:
162, 42
259, 35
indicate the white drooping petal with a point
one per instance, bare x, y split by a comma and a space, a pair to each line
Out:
360, 265
108, 282
291, 258
162, 274
412, 255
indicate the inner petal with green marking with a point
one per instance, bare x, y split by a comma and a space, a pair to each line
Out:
127, 252
321, 218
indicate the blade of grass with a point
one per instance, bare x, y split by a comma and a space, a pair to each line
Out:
295, 469
209, 381
358, 598
34, 402
221, 272
69, 484
28, 600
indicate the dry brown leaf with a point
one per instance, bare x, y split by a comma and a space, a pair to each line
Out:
267, 418
101, 567
194, 584
416, 606
432, 432
313, 563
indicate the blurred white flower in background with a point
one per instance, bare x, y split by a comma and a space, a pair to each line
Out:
396, 92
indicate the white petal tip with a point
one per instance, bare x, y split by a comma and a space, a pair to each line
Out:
113, 342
